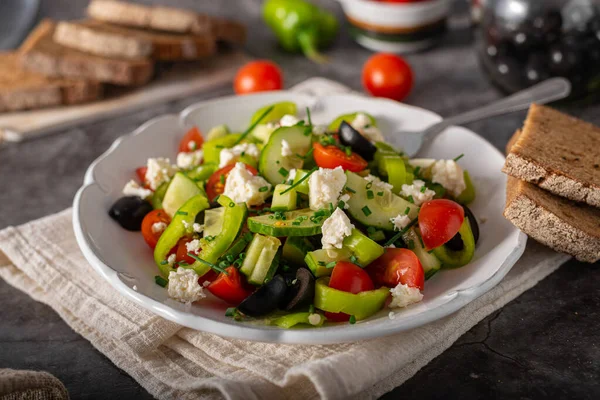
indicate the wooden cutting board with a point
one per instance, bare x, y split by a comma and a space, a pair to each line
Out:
179, 81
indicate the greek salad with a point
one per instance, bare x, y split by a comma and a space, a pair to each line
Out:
296, 223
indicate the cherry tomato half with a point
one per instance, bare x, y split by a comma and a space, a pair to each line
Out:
258, 76
216, 185
397, 266
439, 221
332, 156
141, 174
181, 255
387, 75
230, 288
191, 141
151, 235
348, 277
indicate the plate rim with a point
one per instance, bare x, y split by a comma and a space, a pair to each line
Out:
258, 333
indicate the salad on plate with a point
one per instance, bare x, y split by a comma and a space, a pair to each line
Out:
292, 223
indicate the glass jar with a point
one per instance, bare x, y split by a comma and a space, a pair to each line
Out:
522, 42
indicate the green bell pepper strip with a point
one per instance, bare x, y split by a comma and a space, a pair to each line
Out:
395, 170
468, 195
290, 320
176, 230
334, 126
279, 110
159, 195
212, 148
455, 259
202, 172
362, 305
300, 26
364, 249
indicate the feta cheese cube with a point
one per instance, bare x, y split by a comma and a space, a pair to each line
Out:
243, 187
378, 184
362, 123
158, 227
197, 227
226, 156
132, 188
450, 175
325, 186
400, 221
288, 120
193, 246
189, 160
404, 295
335, 229
159, 170
286, 150
184, 286
418, 194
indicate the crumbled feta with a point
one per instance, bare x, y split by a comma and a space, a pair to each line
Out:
335, 229
419, 197
189, 160
186, 224
286, 150
158, 227
324, 187
243, 187
390, 246
206, 283
319, 129
184, 286
378, 184
132, 188
229, 155
404, 295
392, 315
314, 319
422, 163
345, 198
171, 260
400, 221
197, 227
193, 246
362, 123
292, 174
288, 120
450, 175
159, 170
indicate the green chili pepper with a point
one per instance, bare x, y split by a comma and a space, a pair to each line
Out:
290, 320
300, 26
362, 305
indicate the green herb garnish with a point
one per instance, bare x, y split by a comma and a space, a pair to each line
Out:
459, 157
252, 126
349, 189
263, 189
379, 193
399, 234
370, 194
213, 266
407, 211
330, 264
283, 172
305, 177
160, 281
352, 320
366, 210
423, 189
222, 179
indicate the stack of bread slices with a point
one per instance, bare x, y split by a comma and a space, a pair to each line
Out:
553, 192
69, 62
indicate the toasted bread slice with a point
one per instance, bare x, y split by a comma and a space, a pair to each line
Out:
558, 153
23, 90
108, 40
40, 53
166, 19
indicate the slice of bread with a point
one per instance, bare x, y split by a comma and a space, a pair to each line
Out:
166, 19
41, 54
558, 153
108, 40
24, 90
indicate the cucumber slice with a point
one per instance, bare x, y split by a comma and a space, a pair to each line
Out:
159, 195
364, 249
212, 148
296, 223
179, 191
279, 110
275, 167
335, 124
260, 274
379, 210
295, 249
213, 221
259, 258
286, 201
431, 264
303, 186
217, 132
317, 260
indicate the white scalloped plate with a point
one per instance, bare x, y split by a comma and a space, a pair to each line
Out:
124, 260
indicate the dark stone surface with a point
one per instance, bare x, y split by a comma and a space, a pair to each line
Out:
545, 344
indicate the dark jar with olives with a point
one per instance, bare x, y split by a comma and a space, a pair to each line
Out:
522, 42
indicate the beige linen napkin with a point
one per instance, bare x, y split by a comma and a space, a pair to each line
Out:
30, 385
41, 258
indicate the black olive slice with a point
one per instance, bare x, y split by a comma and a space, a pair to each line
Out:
357, 142
129, 212
473, 221
265, 299
302, 291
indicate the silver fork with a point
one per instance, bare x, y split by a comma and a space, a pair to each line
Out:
544, 92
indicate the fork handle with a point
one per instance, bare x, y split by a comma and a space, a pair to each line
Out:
542, 93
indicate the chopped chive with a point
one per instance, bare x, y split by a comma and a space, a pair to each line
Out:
341, 204
411, 199
348, 151
402, 232
423, 189
263, 188
366, 210
183, 264
308, 116
311, 309
181, 213
283, 172
164, 262
331, 207
222, 179
232, 312
459, 157
243, 153
416, 171
353, 259
252, 126
213, 266
322, 263
330, 264
349, 189
160, 281
352, 320
369, 185
407, 211
379, 193
232, 204
370, 194
305, 177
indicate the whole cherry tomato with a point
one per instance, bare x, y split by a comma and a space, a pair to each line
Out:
439, 221
230, 287
258, 76
153, 225
348, 277
387, 75
332, 156
397, 266
191, 141
216, 183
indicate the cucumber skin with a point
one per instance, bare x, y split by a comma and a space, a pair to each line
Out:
271, 160
262, 259
266, 226
181, 186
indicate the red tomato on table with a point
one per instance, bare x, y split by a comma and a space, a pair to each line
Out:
332, 157
348, 277
230, 288
216, 185
258, 76
439, 221
151, 235
191, 141
387, 75
398, 266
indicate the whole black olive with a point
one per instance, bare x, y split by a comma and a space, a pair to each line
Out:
357, 142
473, 221
265, 299
302, 291
549, 25
129, 212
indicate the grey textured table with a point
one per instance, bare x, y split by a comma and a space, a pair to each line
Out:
544, 344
